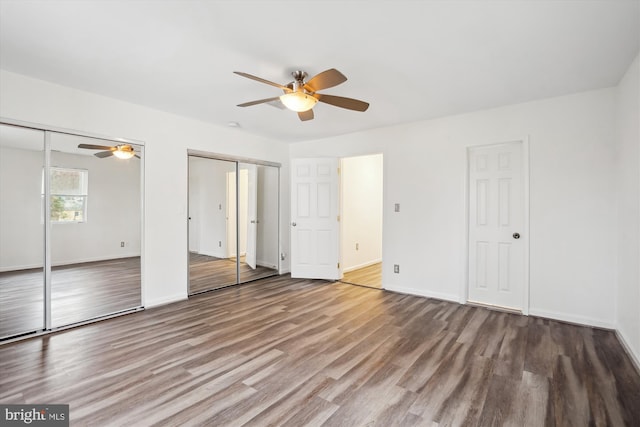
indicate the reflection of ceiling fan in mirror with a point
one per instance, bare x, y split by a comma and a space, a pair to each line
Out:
301, 95
121, 151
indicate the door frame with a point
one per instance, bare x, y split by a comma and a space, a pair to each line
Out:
464, 292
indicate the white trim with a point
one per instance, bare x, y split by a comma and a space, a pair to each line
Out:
579, 320
166, 300
72, 262
526, 225
635, 359
228, 158
422, 293
363, 265
56, 129
464, 292
262, 263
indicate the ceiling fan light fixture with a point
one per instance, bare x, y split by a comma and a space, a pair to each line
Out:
298, 101
124, 152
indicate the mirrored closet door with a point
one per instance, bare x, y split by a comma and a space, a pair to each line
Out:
95, 229
70, 228
233, 222
21, 231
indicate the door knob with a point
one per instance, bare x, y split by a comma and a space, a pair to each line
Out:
516, 235
293, 224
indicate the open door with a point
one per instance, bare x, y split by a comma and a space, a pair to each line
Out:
314, 219
252, 214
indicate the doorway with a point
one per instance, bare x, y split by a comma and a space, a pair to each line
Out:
498, 259
361, 198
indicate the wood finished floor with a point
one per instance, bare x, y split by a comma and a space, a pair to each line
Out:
293, 352
207, 272
370, 276
78, 292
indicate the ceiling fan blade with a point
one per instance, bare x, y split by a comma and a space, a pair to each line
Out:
325, 79
261, 80
339, 101
94, 147
104, 154
306, 115
259, 101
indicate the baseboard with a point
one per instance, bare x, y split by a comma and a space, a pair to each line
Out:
266, 264
363, 265
423, 293
635, 359
579, 320
75, 261
165, 300
215, 254
20, 267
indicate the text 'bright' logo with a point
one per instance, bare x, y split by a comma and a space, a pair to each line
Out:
25, 416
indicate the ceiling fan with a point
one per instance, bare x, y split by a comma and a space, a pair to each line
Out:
301, 96
121, 151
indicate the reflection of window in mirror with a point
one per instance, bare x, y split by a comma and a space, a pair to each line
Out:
69, 192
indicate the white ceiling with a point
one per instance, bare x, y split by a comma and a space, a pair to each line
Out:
410, 60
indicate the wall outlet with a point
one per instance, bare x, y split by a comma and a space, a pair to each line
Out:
396, 268
219, 243
357, 246
122, 244
396, 207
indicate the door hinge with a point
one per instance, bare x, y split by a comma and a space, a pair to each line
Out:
338, 171
338, 265
338, 218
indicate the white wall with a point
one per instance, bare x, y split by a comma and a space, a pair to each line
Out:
628, 185
208, 205
572, 199
21, 226
361, 218
167, 138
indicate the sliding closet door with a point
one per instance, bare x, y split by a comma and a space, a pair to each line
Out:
233, 222
95, 229
21, 231
212, 224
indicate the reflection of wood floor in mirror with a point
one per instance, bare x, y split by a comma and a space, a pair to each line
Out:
208, 272
370, 276
79, 292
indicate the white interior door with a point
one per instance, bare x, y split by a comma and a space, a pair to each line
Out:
252, 214
497, 238
314, 219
